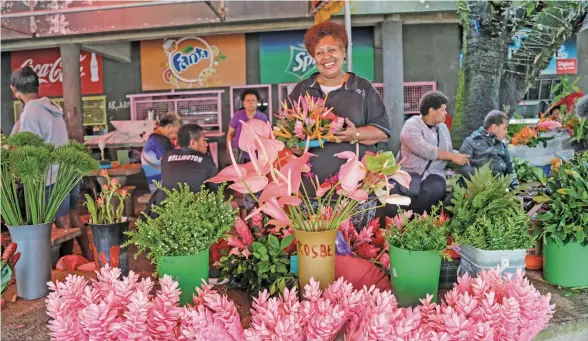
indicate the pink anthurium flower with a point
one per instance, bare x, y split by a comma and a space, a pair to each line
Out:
249, 177
273, 208
352, 172
402, 177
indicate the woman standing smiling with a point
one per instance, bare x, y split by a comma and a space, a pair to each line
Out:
352, 97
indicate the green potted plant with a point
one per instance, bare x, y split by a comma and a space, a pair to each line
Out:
489, 223
259, 257
108, 224
178, 239
565, 224
26, 164
416, 248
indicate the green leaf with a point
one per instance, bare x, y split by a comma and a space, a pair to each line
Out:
541, 198
263, 267
273, 242
223, 57
286, 241
188, 49
281, 268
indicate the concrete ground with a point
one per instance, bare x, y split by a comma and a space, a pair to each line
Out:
570, 321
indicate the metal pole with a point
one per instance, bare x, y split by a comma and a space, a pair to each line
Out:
93, 8
348, 28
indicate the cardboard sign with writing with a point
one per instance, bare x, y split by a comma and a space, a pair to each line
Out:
193, 62
48, 66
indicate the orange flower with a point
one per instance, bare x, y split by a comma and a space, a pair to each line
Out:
524, 136
555, 163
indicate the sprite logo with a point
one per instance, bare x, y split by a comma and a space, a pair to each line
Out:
301, 63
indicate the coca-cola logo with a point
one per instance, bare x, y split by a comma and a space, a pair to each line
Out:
51, 72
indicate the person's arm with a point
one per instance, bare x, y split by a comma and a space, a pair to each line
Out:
467, 148
212, 172
29, 121
510, 169
412, 138
233, 124
377, 128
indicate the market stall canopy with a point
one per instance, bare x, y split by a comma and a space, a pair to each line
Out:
43, 19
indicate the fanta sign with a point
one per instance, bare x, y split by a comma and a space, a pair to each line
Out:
181, 62
190, 59
193, 62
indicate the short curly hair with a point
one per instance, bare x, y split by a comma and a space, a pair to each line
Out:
432, 100
325, 29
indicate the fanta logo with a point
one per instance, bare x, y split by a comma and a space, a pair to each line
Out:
190, 59
181, 61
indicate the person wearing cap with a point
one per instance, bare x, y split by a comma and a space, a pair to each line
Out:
44, 118
158, 143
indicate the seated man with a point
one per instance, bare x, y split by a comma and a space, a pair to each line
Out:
189, 164
487, 144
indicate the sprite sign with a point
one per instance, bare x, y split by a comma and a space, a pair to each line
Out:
284, 59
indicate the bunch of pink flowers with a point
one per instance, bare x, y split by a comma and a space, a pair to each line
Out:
281, 197
115, 309
488, 308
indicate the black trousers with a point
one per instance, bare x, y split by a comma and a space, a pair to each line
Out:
433, 190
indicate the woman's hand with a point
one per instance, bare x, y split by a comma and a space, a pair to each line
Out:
348, 134
460, 159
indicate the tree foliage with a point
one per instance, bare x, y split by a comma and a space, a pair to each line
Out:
492, 76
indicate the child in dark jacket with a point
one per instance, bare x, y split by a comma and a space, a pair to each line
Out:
487, 145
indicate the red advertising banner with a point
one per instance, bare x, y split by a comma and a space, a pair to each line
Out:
47, 65
566, 66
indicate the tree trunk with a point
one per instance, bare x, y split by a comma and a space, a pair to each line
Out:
481, 72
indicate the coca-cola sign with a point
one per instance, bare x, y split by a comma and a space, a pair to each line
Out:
48, 65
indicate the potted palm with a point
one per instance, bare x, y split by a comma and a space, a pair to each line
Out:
416, 248
179, 238
489, 224
26, 162
108, 224
565, 224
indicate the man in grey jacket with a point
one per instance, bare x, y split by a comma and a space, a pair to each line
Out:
487, 145
44, 118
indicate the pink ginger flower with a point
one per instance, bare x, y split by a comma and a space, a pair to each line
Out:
366, 251
134, 325
164, 312
548, 125
243, 231
299, 130
385, 260
336, 125
348, 230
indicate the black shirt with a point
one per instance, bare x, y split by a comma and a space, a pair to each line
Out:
356, 100
188, 166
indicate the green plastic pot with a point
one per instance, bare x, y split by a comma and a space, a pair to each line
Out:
188, 271
565, 265
414, 274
